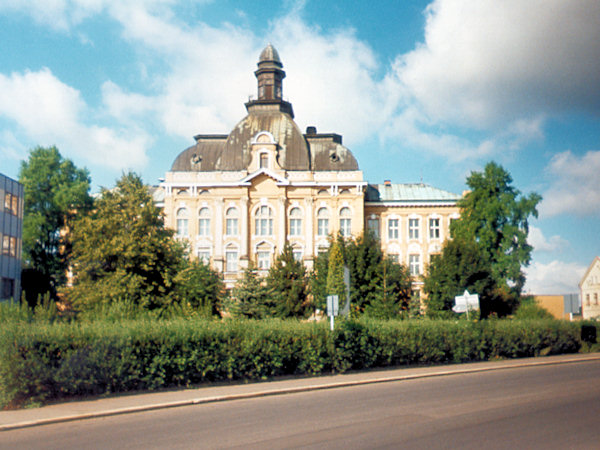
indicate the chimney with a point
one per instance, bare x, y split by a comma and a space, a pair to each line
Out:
387, 183
311, 130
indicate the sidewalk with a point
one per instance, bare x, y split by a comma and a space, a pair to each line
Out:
124, 404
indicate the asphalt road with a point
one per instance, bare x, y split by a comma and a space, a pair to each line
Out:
548, 407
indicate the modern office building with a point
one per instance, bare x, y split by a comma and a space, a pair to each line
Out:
11, 231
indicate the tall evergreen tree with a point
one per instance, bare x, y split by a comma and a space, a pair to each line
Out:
199, 287
55, 191
365, 260
249, 297
335, 273
287, 285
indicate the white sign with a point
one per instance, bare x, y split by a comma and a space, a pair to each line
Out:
333, 305
466, 302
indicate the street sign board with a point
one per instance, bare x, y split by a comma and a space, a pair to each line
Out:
466, 302
333, 305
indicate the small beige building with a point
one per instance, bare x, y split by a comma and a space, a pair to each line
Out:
590, 291
241, 197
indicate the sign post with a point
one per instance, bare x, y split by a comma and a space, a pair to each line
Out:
466, 302
333, 305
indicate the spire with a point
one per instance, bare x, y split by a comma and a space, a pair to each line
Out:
269, 75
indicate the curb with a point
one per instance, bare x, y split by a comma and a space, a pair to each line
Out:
284, 391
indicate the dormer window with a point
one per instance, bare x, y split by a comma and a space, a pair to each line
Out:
264, 160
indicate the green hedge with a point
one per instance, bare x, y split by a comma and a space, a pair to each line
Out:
41, 362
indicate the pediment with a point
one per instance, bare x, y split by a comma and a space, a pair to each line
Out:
269, 173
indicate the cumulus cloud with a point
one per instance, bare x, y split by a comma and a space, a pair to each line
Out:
575, 187
502, 67
556, 277
50, 112
485, 63
540, 243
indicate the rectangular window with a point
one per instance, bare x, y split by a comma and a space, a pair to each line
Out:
231, 261
346, 227
295, 227
182, 227
595, 298
322, 227
204, 255
434, 228
393, 228
5, 245
203, 227
11, 203
8, 288
414, 264
413, 228
264, 227
13, 246
373, 227
264, 160
263, 260
231, 227
297, 254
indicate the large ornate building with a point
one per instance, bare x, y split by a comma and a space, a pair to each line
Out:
241, 197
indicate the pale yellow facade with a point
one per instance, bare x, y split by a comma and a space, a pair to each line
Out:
590, 291
239, 198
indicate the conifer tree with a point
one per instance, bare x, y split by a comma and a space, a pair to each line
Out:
335, 273
249, 297
287, 285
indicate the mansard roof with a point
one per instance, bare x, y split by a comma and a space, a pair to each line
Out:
409, 193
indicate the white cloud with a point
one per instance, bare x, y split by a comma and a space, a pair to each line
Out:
557, 277
540, 243
50, 112
575, 187
486, 62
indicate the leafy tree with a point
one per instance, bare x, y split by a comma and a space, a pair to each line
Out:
199, 287
495, 215
287, 285
122, 251
461, 265
55, 191
249, 297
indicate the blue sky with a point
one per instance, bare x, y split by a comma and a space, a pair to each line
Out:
421, 91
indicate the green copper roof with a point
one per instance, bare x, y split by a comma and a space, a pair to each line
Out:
408, 193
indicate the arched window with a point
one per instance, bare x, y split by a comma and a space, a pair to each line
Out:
263, 221
322, 222
182, 222
231, 222
345, 222
295, 222
204, 222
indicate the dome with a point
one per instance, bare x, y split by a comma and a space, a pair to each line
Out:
293, 153
269, 54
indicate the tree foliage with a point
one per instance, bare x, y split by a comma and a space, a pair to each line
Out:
249, 297
495, 215
55, 191
123, 251
287, 285
199, 287
335, 272
461, 266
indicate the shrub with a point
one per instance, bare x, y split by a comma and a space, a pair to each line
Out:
45, 360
